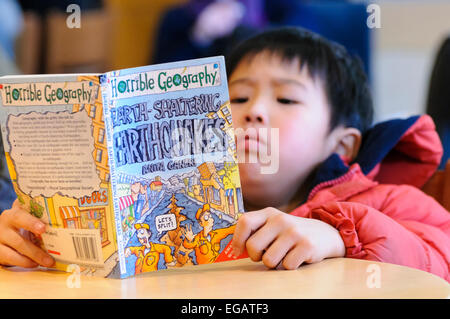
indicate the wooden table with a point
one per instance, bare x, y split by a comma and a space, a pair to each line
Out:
332, 278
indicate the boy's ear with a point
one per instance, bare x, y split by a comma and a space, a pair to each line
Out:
348, 142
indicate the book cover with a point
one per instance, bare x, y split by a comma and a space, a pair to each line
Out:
132, 170
56, 153
174, 172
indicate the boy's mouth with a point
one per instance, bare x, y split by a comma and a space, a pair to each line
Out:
252, 141
256, 138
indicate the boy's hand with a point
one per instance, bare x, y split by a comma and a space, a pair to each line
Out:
15, 249
273, 237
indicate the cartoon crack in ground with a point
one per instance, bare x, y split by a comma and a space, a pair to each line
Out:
148, 254
206, 243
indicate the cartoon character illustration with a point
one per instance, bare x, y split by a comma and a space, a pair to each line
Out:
206, 243
148, 254
174, 237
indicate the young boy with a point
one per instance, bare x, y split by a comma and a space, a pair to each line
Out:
349, 191
341, 189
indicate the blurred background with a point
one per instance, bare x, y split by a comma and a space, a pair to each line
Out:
407, 54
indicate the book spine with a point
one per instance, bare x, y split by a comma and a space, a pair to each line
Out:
113, 178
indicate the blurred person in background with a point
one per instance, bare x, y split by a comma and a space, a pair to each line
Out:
202, 28
340, 21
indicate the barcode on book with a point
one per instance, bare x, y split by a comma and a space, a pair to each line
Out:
74, 246
85, 248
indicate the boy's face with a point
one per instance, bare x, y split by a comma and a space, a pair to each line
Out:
267, 92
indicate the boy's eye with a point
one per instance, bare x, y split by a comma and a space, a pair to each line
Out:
239, 100
286, 101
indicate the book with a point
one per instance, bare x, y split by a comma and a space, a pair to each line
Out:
132, 171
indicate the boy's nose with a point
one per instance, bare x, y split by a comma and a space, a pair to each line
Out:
254, 118
256, 114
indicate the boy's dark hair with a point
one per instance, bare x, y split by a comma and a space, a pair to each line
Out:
345, 82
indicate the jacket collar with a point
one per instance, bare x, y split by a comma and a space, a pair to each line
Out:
400, 151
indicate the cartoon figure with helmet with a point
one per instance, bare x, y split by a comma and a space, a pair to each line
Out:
206, 243
148, 254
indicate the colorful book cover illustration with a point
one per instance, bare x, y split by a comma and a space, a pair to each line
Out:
55, 146
173, 161
133, 170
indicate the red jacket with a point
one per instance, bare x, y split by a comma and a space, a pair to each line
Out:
376, 203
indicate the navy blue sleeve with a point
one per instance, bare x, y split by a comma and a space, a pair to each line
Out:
7, 194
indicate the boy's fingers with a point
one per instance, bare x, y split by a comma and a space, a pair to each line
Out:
10, 257
259, 242
16, 203
276, 252
246, 225
26, 248
20, 218
294, 258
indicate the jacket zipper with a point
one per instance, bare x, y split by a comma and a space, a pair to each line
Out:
332, 182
